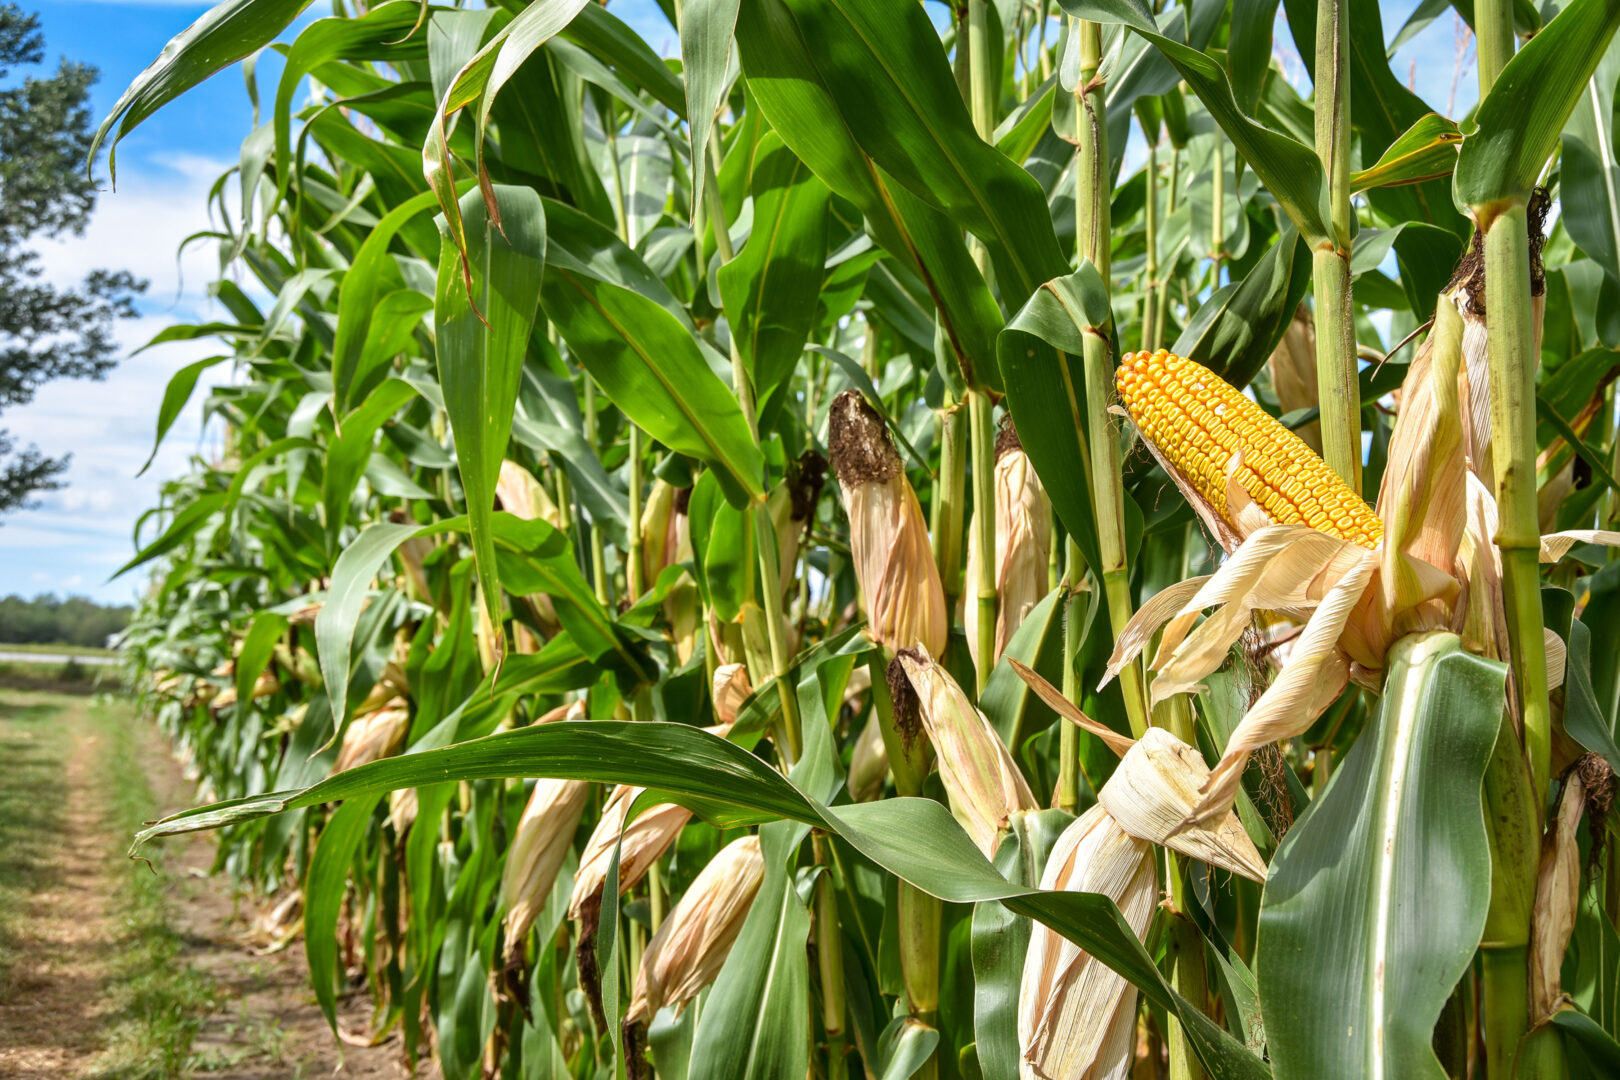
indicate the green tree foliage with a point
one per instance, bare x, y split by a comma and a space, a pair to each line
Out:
51, 620
46, 333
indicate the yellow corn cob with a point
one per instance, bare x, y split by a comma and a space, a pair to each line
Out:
1197, 421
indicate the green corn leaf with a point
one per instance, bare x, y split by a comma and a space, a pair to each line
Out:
226, 33
770, 288
916, 839
175, 397
1350, 937
483, 336
1289, 169
1517, 126
1425, 151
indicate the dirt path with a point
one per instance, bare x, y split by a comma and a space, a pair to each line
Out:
91, 986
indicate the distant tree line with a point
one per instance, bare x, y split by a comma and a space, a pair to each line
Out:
48, 619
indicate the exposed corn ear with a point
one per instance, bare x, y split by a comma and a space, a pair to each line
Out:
981, 779
373, 737
1023, 540
888, 535
1156, 787
1076, 1017
657, 529
542, 839
1221, 444
691, 946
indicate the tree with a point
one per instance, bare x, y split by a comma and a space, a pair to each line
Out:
46, 333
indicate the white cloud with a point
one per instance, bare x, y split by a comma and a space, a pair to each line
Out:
80, 535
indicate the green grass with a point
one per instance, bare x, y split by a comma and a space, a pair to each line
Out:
153, 1002
33, 745
158, 1000
56, 650
71, 677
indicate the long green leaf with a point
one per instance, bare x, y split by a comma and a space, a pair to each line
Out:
1356, 952
916, 839
770, 288
1289, 169
483, 336
1519, 122
225, 34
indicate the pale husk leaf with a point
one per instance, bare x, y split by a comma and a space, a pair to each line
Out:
1153, 791
373, 737
691, 945
1069, 1003
1281, 568
1558, 881
894, 565
541, 841
1556, 545
1146, 622
1316, 672
981, 780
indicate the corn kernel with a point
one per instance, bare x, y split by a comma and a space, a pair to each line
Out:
1198, 421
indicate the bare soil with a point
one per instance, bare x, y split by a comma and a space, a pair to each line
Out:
57, 1005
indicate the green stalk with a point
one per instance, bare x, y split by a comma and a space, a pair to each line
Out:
1092, 227
918, 914
1512, 358
981, 430
830, 961
1217, 231
1162, 315
1340, 392
1513, 419
945, 510
1150, 270
599, 578
634, 573
981, 427
765, 552
1510, 805
1074, 599
1507, 1002
1493, 24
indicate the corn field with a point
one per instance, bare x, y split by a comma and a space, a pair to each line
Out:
1000, 541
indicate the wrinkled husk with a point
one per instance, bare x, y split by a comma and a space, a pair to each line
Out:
1023, 550
731, 689
1156, 787
1558, 882
888, 535
373, 737
1076, 1017
645, 841
542, 840
692, 944
981, 780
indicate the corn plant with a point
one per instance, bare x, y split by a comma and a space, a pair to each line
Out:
815, 559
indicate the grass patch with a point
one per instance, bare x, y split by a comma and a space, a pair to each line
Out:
158, 1000
71, 677
33, 745
55, 650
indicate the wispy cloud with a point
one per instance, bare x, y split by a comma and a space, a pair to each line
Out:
78, 536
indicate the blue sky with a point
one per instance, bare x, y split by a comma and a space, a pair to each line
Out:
77, 537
